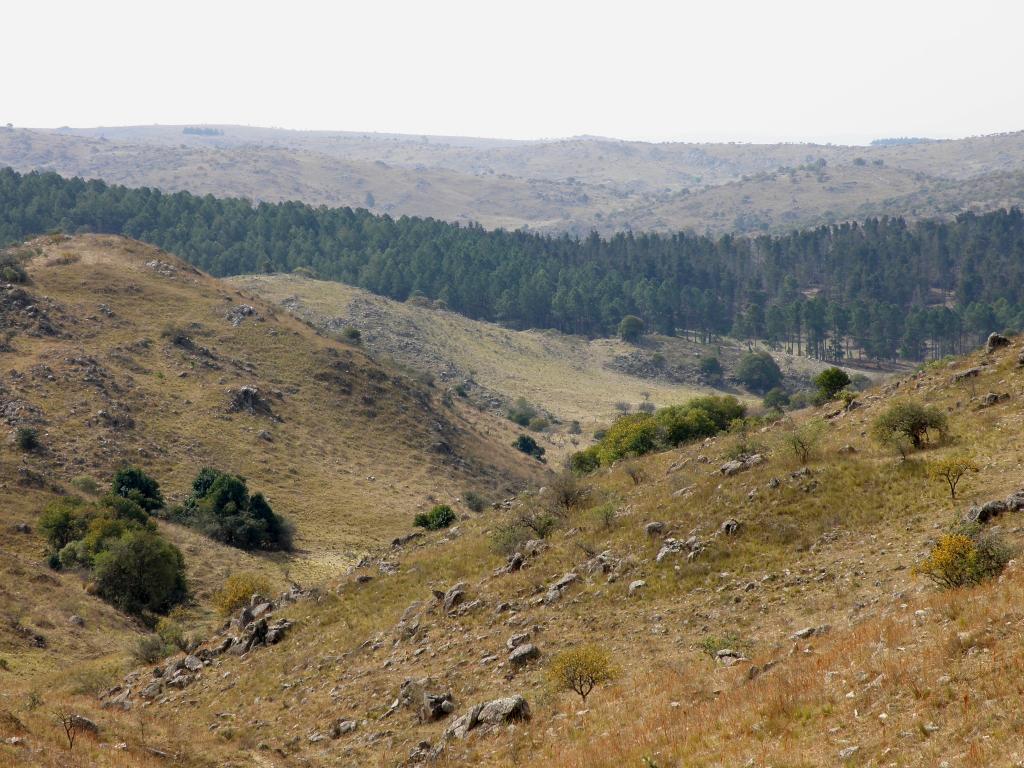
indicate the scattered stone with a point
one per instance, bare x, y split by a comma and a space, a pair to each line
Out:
454, 596
523, 655
248, 399
741, 464
636, 586
654, 528
970, 373
730, 527
76, 620
987, 511
516, 640
847, 752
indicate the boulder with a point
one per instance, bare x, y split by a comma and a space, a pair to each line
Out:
654, 528
730, 527
77, 620
516, 640
507, 710
84, 724
523, 655
342, 727
430, 701
996, 341
454, 596
1015, 501
636, 586
987, 511
970, 373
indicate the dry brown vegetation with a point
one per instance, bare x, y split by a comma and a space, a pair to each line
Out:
904, 675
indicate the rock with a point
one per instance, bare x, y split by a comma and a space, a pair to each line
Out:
847, 752
23, 528
152, 690
401, 541
554, 593
454, 596
77, 620
238, 314
654, 528
507, 710
248, 399
193, 664
84, 724
730, 527
636, 586
741, 464
807, 632
1015, 501
970, 373
994, 398
516, 640
847, 449
986, 511
343, 727
534, 547
426, 697
995, 341
277, 631
523, 655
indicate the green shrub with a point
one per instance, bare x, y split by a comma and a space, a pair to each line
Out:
441, 516
829, 382
172, 633
631, 328
711, 367
776, 399
351, 334
527, 445
221, 507
86, 484
508, 538
132, 483
141, 572
521, 412
585, 461
758, 371
539, 423
26, 439
63, 521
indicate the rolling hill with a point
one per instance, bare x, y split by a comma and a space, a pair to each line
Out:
571, 185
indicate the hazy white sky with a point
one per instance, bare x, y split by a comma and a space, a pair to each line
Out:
729, 70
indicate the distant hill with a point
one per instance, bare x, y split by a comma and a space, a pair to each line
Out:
570, 185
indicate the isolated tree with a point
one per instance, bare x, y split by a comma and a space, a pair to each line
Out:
829, 383
68, 721
581, 670
907, 425
631, 328
951, 470
758, 371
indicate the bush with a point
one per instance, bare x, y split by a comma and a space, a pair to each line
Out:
528, 445
803, 440
758, 371
776, 399
581, 670
906, 426
172, 633
539, 423
474, 501
964, 557
829, 382
63, 521
86, 484
351, 334
220, 506
566, 493
631, 328
711, 367
521, 412
141, 572
586, 461
237, 590
540, 522
508, 538
26, 439
150, 649
441, 516
132, 483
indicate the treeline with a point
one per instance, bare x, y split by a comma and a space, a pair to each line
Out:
883, 288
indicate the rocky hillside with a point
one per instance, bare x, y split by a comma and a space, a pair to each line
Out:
757, 603
572, 185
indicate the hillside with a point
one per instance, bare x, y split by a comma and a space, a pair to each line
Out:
571, 377
794, 633
569, 185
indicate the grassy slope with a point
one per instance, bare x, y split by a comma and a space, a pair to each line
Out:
835, 548
350, 461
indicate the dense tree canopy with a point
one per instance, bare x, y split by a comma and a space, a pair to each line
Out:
883, 288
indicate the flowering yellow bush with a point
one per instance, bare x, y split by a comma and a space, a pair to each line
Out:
959, 560
581, 670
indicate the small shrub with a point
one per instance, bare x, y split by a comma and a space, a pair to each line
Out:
574, 427
26, 439
150, 649
604, 514
631, 328
172, 633
566, 493
351, 334
474, 501
646, 407
508, 538
540, 522
581, 670
711, 368
539, 423
521, 412
635, 473
139, 571
237, 590
586, 461
441, 516
527, 445
965, 557
86, 484
776, 399
803, 441
829, 382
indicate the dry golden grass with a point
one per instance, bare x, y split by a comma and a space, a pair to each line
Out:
833, 547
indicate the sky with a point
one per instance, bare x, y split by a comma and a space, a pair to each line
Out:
771, 70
